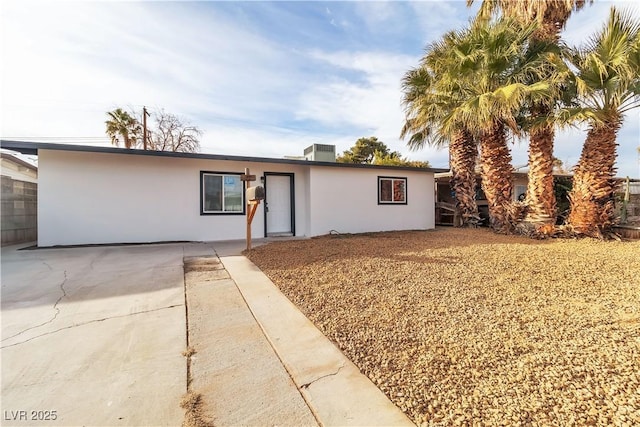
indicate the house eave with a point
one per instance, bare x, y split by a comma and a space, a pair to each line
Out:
32, 148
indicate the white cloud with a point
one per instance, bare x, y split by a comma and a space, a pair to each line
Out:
370, 102
379, 15
591, 18
267, 141
238, 71
434, 18
73, 56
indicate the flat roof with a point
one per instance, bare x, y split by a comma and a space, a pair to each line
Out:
26, 147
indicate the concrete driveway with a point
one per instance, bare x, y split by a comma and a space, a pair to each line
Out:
93, 336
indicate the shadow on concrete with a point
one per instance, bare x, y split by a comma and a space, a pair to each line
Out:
41, 277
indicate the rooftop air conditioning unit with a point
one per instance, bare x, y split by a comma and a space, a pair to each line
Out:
320, 153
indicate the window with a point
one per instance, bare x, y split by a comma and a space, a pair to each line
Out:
392, 190
221, 193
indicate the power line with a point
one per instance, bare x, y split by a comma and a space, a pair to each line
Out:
55, 137
66, 140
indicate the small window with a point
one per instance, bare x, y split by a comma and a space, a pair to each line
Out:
392, 190
520, 192
221, 193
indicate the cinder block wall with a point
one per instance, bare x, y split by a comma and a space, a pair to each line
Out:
19, 214
633, 207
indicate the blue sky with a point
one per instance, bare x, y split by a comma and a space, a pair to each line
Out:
259, 78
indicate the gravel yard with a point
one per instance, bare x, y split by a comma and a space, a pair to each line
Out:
466, 327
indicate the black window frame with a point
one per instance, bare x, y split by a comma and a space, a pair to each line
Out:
223, 174
393, 178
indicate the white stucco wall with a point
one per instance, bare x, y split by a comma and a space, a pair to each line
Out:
91, 198
87, 198
346, 200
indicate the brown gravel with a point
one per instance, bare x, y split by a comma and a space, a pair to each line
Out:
466, 327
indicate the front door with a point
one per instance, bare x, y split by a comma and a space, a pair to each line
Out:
279, 204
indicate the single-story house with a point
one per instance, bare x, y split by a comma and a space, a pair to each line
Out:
445, 200
95, 195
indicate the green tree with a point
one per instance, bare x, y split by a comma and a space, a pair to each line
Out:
394, 158
123, 127
551, 16
363, 151
373, 151
418, 163
561, 187
608, 84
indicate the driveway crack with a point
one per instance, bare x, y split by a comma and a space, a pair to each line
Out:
323, 377
55, 307
88, 322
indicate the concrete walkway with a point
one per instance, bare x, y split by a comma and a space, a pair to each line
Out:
97, 335
333, 387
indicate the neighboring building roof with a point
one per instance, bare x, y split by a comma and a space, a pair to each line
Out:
520, 171
33, 147
16, 168
448, 174
17, 160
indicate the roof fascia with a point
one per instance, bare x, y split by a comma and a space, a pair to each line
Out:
33, 148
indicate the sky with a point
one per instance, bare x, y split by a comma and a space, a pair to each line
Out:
259, 78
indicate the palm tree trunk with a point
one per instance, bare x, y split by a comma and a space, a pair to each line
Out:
541, 200
592, 195
464, 152
497, 177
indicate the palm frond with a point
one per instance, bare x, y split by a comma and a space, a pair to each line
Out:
608, 67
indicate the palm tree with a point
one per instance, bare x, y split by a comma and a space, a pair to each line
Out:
123, 125
608, 84
424, 108
552, 16
493, 67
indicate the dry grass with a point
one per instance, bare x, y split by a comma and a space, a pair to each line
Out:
194, 414
466, 327
190, 351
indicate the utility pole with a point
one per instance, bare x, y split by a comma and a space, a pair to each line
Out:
144, 127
